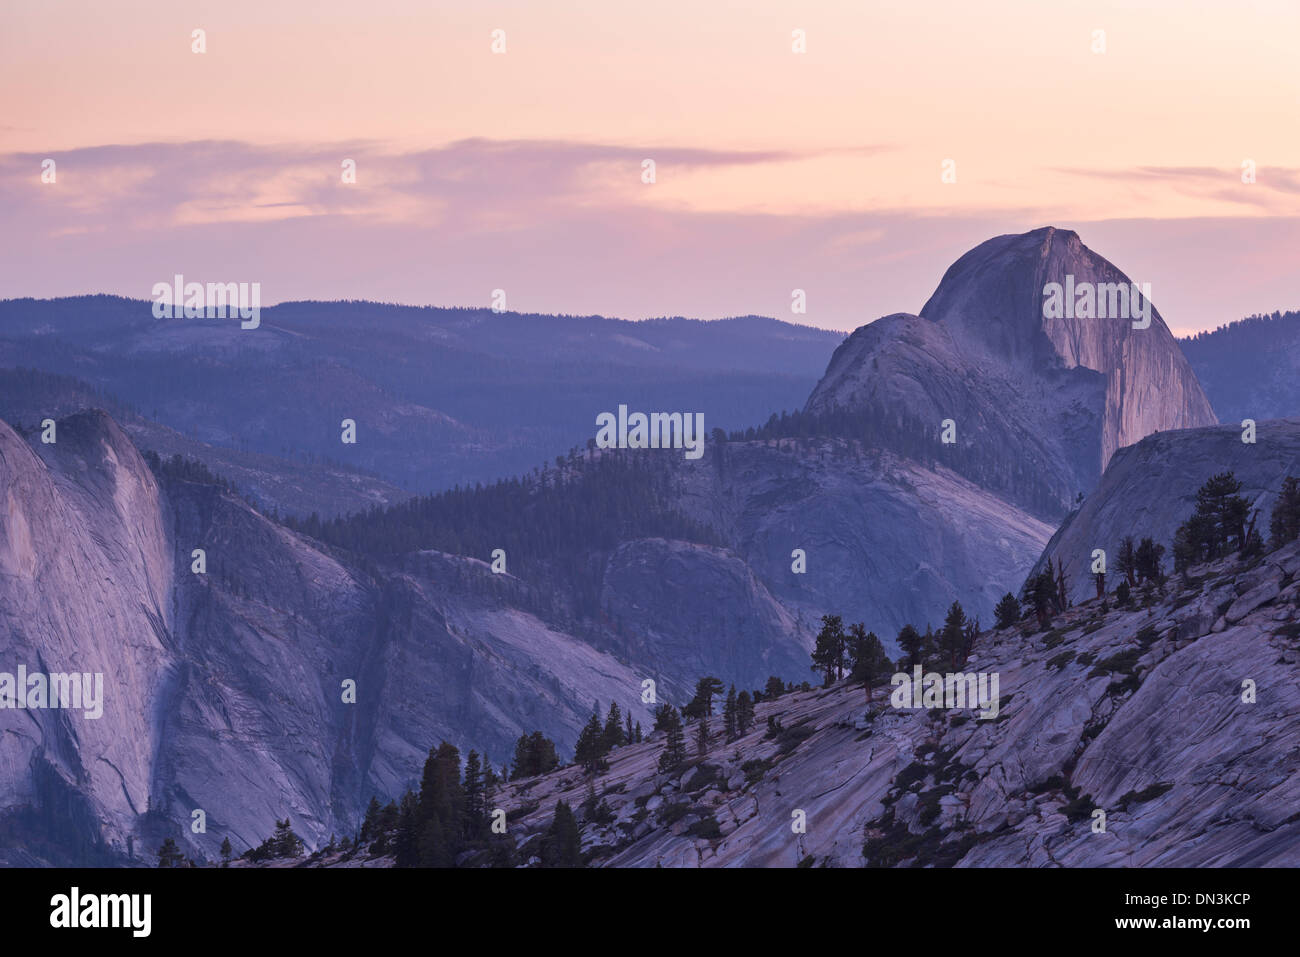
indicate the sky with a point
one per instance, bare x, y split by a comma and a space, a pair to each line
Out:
523, 170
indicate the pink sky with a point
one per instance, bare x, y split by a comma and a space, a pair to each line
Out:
775, 170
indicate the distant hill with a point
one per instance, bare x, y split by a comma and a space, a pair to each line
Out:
441, 397
1250, 368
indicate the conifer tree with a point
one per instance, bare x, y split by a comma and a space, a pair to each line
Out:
674, 753
729, 715
868, 660
828, 654
910, 642
226, 851
1284, 525
473, 787
169, 855
952, 638
1007, 611
744, 712
702, 736
613, 733
563, 844
591, 745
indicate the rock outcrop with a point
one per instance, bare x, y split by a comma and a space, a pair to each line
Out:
1184, 737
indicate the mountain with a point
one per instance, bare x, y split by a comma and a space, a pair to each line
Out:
223, 691
1250, 368
1134, 712
621, 564
440, 396
1057, 395
1151, 488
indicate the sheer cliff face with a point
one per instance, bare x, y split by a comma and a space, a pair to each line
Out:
223, 692
85, 583
1060, 385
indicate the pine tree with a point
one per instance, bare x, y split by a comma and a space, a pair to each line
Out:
744, 712
370, 822
952, 638
702, 736
226, 851
285, 843
473, 786
829, 653
729, 715
613, 734
1126, 561
702, 704
674, 753
1007, 611
169, 855
563, 844
591, 746
910, 642
867, 657
1149, 559
637, 736
629, 732
774, 688
406, 844
1284, 525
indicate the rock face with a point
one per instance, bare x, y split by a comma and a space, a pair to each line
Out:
1136, 713
1055, 395
886, 541
224, 691
1150, 489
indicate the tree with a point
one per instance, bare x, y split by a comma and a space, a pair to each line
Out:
370, 823
169, 855
910, 642
952, 637
629, 732
1149, 559
828, 654
590, 748
1284, 525
702, 736
674, 753
475, 818
701, 705
534, 754
1126, 561
1123, 593
226, 851
1007, 611
1039, 597
729, 715
868, 660
285, 843
774, 688
613, 734
1219, 519
562, 846
406, 845
744, 712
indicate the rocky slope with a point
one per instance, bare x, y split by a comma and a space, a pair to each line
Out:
1137, 712
1150, 489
